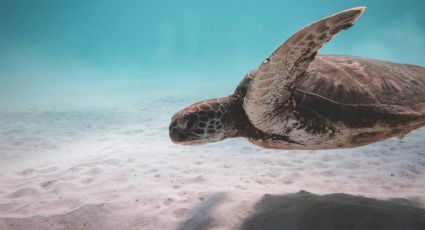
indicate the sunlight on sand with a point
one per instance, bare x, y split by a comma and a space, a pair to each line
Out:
116, 169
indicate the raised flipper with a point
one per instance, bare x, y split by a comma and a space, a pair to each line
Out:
269, 101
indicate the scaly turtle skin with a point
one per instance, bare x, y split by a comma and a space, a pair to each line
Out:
299, 100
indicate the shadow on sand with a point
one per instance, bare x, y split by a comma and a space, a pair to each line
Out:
305, 211
200, 216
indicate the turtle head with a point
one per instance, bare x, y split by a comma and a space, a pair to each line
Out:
199, 123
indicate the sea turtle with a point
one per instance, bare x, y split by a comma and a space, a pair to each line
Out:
299, 100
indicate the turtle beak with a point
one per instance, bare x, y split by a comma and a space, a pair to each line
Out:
175, 135
178, 137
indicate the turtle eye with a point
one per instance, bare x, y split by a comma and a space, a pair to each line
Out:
187, 122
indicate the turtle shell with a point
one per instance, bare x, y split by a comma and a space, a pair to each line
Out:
361, 91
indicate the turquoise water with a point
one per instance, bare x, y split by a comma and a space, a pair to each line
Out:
96, 52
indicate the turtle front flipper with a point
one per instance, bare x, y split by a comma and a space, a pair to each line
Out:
269, 101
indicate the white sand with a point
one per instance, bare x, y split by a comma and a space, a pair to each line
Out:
65, 167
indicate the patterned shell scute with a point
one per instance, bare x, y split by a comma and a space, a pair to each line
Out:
361, 81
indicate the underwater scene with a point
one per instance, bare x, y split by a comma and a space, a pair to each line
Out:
100, 125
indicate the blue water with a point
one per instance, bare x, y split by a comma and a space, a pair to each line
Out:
94, 52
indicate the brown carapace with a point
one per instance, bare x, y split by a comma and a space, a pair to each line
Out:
299, 100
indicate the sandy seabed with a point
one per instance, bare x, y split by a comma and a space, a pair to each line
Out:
114, 168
